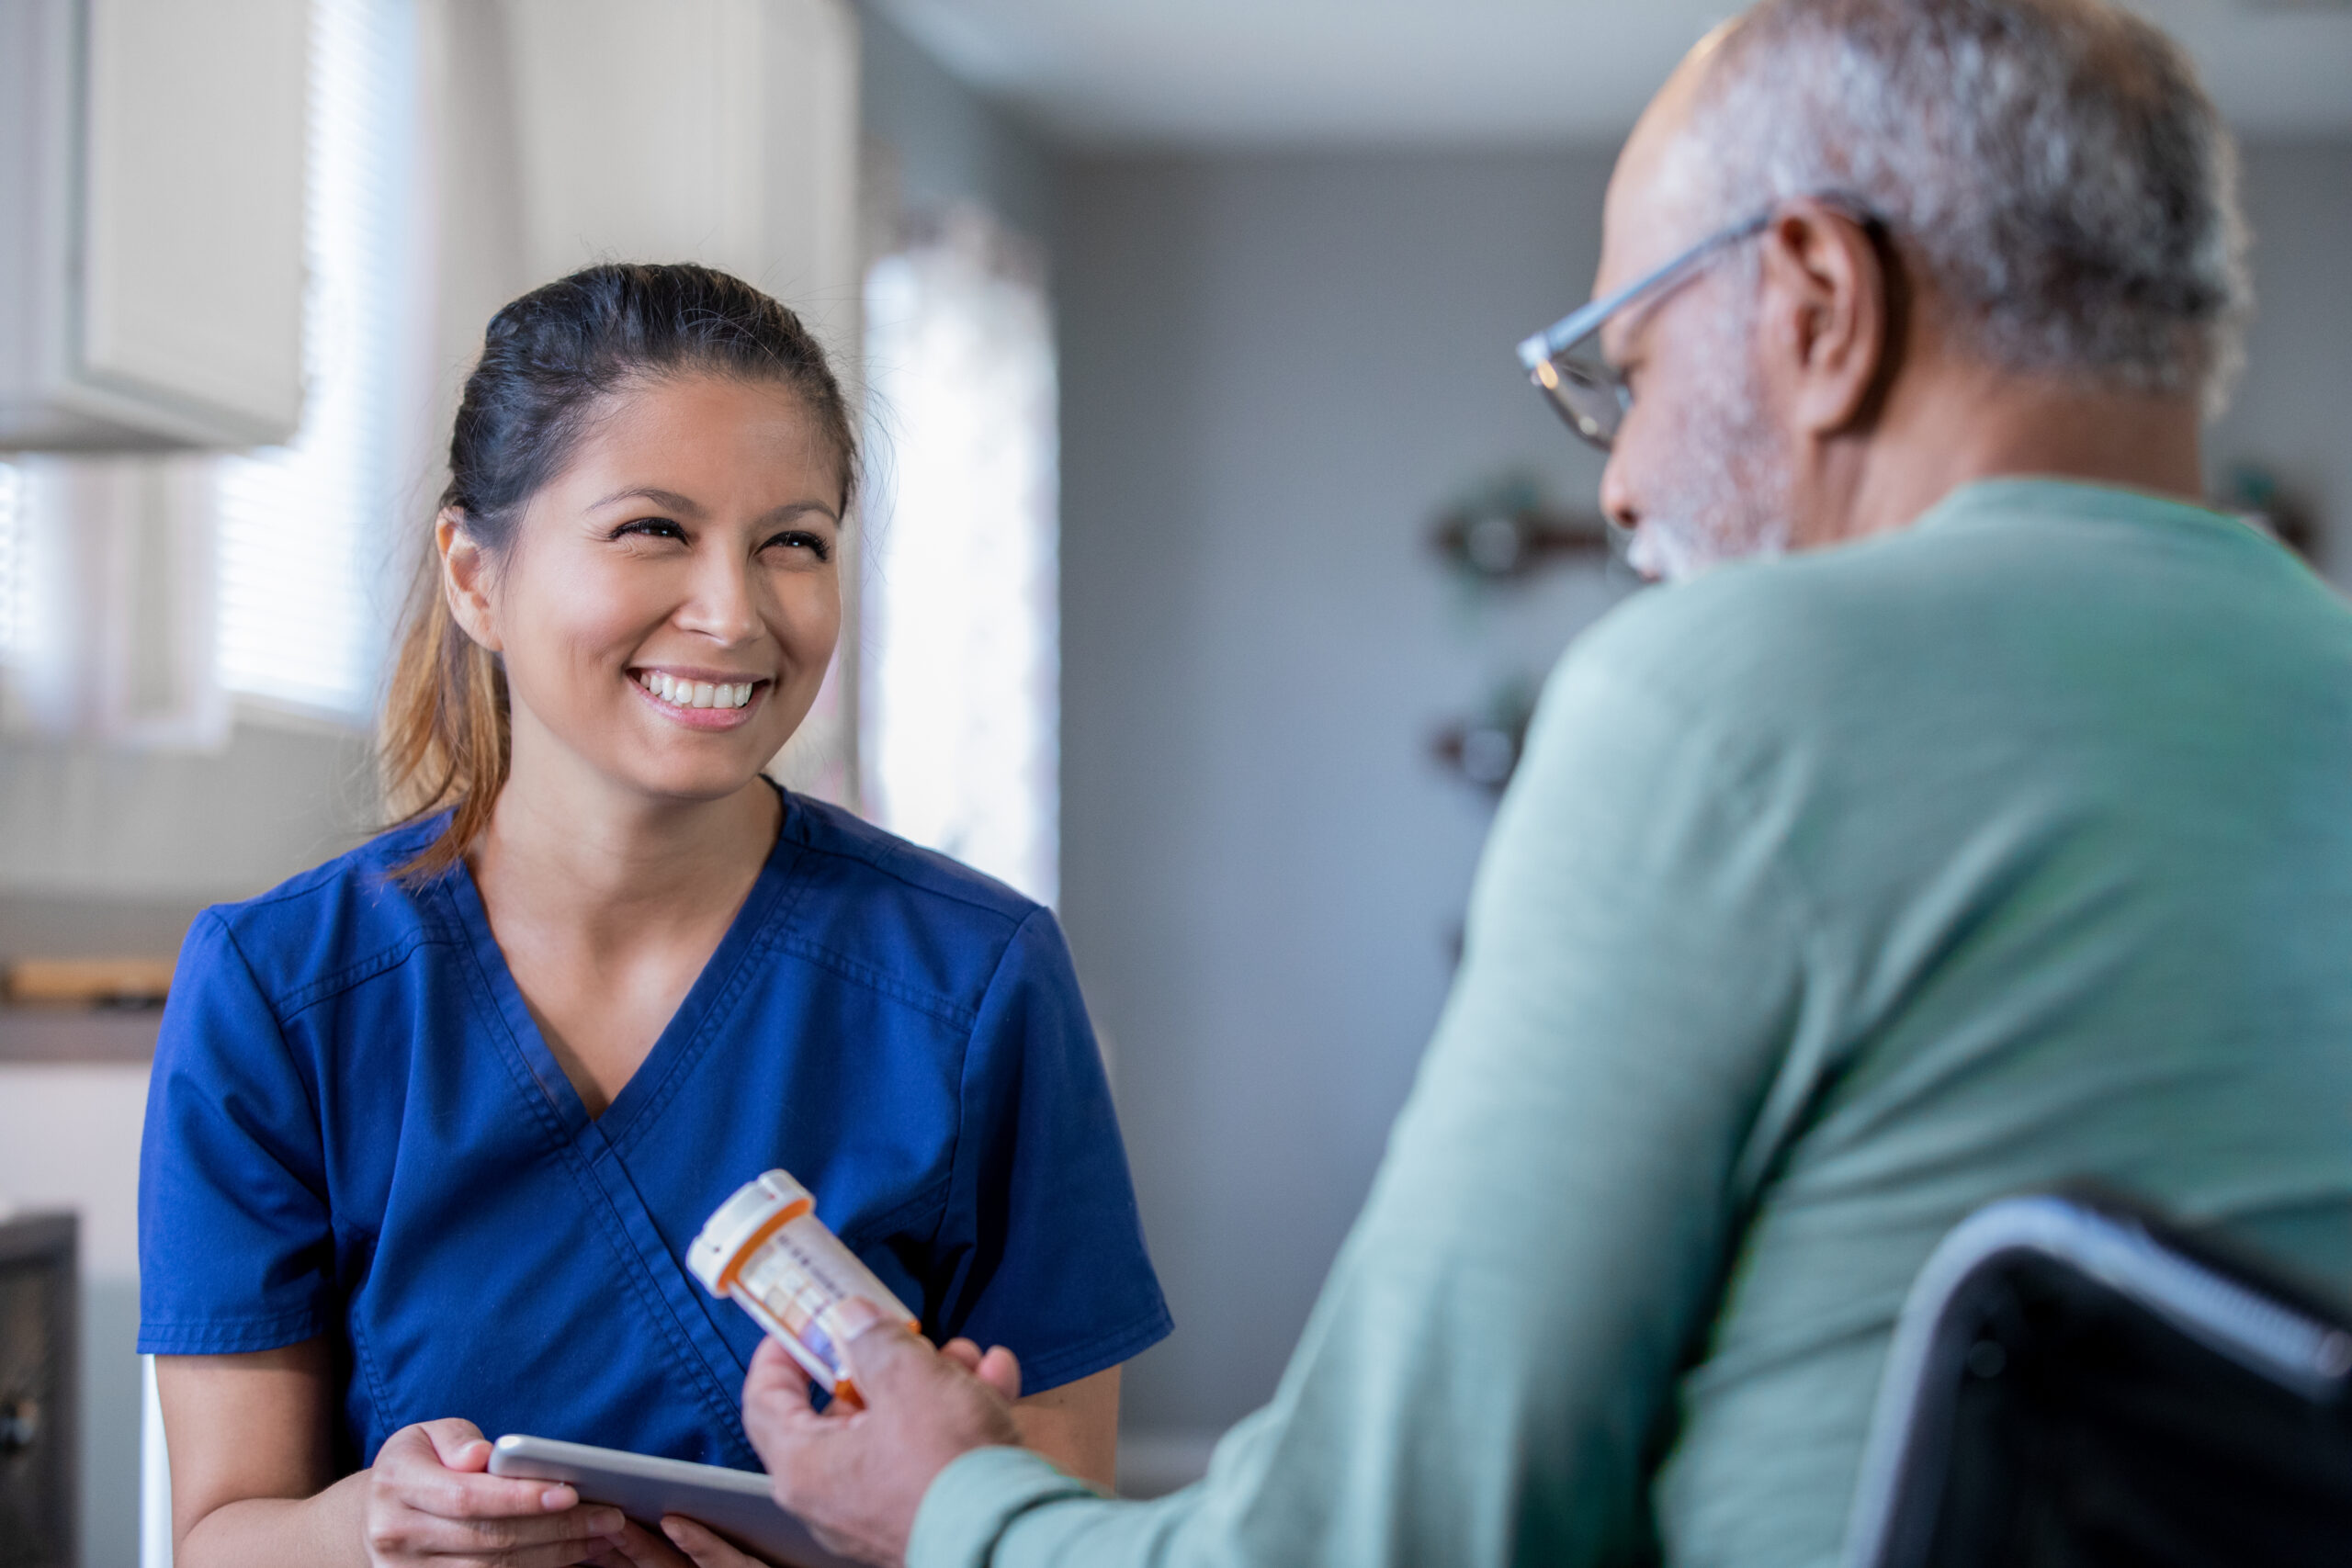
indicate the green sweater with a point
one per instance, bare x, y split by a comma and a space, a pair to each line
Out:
1837, 896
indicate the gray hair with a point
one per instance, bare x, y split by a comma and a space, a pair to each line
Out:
2051, 165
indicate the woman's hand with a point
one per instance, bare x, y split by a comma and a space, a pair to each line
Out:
430, 1502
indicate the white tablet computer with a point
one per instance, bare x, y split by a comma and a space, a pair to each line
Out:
734, 1503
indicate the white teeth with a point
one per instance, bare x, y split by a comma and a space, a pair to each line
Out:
697, 694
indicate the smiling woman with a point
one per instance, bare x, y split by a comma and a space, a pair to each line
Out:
433, 1126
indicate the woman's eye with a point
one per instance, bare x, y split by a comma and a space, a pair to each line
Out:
650, 528
801, 539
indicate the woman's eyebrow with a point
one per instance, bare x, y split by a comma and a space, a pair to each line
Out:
795, 508
669, 499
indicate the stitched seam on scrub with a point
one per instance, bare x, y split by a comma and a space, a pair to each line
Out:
722, 1007
351, 976
924, 1001
943, 887
964, 1076
364, 1362
303, 1073
728, 1420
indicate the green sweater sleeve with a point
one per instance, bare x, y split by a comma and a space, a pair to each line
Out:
1488, 1375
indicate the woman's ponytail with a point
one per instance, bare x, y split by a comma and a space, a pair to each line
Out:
444, 743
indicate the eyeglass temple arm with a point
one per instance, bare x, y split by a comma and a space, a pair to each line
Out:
1579, 325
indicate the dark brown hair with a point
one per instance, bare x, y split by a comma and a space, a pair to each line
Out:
547, 361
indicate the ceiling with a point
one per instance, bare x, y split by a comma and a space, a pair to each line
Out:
1306, 73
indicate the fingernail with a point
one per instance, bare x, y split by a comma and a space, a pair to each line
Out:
607, 1521
555, 1499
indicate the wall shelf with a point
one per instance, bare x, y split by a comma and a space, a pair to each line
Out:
80, 1036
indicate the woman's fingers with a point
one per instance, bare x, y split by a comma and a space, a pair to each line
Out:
457, 1443
428, 1499
410, 1463
554, 1538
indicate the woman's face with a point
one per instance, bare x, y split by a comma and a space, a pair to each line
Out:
670, 599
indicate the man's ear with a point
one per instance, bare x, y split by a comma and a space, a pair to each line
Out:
1829, 316
465, 578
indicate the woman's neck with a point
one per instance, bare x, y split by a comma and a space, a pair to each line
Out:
614, 864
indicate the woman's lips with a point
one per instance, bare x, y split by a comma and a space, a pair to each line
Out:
699, 705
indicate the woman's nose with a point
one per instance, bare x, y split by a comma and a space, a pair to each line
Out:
724, 604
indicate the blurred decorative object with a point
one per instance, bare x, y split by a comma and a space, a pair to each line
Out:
39, 1308
87, 982
109, 571
1506, 530
961, 699
2257, 494
1484, 751
151, 223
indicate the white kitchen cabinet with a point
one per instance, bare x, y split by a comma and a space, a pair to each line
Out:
151, 166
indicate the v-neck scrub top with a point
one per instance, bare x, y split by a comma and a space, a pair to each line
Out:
355, 1130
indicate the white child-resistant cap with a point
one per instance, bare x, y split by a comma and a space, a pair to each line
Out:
732, 1227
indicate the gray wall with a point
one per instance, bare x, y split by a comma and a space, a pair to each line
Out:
2294, 408
1275, 369
946, 143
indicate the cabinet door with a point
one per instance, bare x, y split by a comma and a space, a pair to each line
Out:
151, 194
192, 209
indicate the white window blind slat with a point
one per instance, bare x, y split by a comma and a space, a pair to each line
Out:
305, 528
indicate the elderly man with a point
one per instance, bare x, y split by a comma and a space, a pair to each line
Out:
1993, 828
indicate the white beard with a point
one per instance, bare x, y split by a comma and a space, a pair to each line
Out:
1730, 497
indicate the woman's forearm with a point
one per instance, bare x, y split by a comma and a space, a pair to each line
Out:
1077, 1427
323, 1531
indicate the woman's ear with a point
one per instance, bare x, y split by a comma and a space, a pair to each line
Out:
1828, 322
465, 578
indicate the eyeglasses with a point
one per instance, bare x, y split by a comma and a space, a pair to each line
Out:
1564, 360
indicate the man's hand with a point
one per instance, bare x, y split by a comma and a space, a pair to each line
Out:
857, 1476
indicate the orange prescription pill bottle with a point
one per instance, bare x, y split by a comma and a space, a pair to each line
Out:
767, 1248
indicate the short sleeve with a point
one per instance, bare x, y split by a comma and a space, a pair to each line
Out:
235, 1242
1042, 1249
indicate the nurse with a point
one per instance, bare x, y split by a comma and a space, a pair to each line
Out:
432, 1127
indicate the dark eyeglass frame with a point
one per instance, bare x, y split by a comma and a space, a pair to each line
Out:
1564, 361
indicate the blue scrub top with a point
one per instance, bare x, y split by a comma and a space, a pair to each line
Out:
355, 1130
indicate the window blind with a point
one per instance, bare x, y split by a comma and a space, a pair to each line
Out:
307, 529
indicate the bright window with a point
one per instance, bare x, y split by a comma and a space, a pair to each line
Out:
962, 678
12, 559
307, 529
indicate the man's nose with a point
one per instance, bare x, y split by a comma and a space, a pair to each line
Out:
1617, 493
